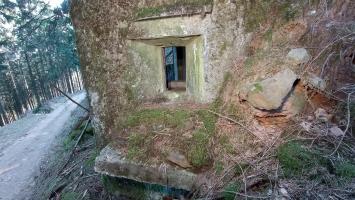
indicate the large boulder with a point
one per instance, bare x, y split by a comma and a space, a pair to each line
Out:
298, 56
270, 93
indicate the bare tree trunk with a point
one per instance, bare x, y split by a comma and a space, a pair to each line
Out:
32, 81
4, 118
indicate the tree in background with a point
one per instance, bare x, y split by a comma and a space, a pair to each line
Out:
37, 52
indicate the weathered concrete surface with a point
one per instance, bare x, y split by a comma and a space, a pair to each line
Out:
118, 77
270, 93
112, 163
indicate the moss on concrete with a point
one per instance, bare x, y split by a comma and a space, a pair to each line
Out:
156, 10
170, 118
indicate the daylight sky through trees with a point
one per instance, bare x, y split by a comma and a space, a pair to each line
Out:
37, 52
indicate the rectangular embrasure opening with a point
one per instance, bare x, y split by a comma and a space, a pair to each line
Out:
175, 67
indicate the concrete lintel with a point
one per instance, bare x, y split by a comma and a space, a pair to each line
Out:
167, 40
179, 13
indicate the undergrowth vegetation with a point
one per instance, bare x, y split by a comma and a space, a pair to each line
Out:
147, 125
298, 161
70, 140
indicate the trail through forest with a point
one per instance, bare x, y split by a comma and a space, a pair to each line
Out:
26, 143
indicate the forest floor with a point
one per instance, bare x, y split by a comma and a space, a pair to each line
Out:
27, 144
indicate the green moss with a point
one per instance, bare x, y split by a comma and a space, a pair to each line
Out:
296, 160
155, 11
70, 196
218, 167
170, 118
227, 146
258, 87
249, 62
129, 93
198, 152
137, 146
149, 11
272, 11
230, 190
209, 121
268, 35
70, 140
91, 160
346, 170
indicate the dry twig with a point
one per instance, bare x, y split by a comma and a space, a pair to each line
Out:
347, 125
236, 122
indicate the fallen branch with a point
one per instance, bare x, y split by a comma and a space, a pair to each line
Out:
347, 125
236, 122
247, 196
81, 106
76, 144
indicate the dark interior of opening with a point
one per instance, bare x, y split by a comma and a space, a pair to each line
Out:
175, 67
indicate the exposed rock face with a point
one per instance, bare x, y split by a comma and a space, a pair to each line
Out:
112, 163
270, 93
299, 56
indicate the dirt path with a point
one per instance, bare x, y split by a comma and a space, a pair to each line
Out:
24, 146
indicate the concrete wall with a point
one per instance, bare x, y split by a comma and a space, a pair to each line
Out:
107, 31
220, 40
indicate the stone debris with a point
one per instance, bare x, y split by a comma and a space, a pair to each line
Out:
322, 115
284, 193
298, 56
270, 93
178, 159
306, 126
316, 82
336, 131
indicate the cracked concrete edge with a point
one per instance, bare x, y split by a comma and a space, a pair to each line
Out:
111, 162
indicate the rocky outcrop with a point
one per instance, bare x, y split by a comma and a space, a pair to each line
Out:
270, 93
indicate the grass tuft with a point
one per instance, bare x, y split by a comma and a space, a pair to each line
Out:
137, 146
346, 170
209, 121
294, 159
230, 190
70, 196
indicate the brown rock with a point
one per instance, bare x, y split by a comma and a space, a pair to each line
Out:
178, 159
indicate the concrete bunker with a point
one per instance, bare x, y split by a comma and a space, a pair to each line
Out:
132, 70
173, 66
